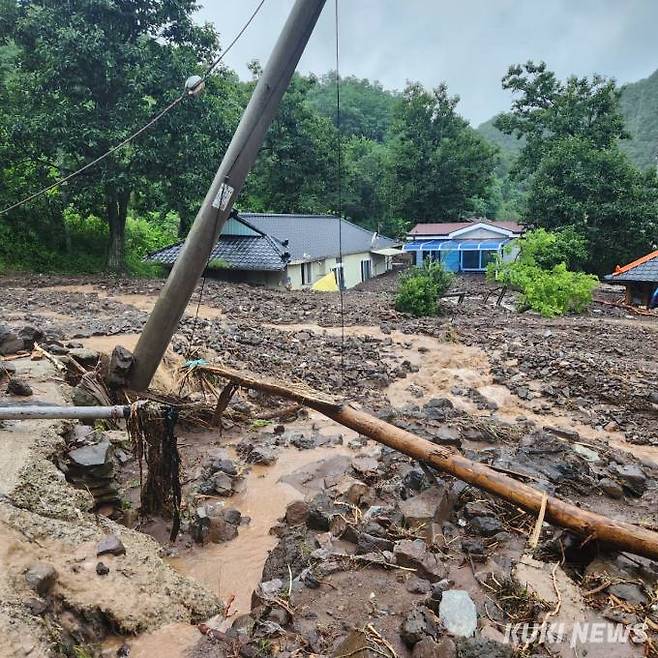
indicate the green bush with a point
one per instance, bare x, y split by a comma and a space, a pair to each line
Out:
420, 289
81, 247
540, 273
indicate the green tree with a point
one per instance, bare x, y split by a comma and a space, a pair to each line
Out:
601, 195
539, 271
366, 108
438, 166
576, 174
296, 167
91, 71
546, 110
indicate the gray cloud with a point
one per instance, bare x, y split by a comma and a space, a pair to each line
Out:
468, 44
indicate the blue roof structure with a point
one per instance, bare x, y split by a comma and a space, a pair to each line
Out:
454, 245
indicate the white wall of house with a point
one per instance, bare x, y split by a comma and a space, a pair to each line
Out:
351, 268
480, 234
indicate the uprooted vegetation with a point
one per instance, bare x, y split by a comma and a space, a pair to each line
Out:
367, 548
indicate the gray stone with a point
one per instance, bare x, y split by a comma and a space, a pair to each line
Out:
417, 585
81, 397
91, 456
271, 588
40, 577
118, 371
486, 526
30, 335
415, 555
611, 488
629, 592
86, 357
232, 516
225, 465
430, 505
457, 613
110, 545
418, 624
17, 386
10, 343
262, 455
586, 453
222, 484
633, 479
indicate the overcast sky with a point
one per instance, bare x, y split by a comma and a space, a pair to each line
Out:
466, 43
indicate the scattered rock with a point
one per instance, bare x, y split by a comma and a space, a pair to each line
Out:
17, 386
222, 484
418, 624
297, 512
457, 613
486, 526
611, 488
630, 592
431, 505
110, 545
118, 370
417, 585
429, 648
632, 478
415, 555
41, 577
102, 569
85, 357
10, 343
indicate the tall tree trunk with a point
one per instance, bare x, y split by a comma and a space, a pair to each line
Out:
116, 207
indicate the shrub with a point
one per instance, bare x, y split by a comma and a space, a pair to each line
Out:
420, 289
540, 273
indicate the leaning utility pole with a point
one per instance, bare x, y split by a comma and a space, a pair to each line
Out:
225, 188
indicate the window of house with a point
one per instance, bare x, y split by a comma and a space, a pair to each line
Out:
486, 258
470, 260
365, 270
306, 274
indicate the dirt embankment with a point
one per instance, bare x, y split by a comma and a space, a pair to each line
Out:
368, 553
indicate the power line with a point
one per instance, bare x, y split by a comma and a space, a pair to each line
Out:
144, 128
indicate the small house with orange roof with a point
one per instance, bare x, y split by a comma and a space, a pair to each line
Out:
640, 279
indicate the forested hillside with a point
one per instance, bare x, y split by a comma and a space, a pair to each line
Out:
639, 107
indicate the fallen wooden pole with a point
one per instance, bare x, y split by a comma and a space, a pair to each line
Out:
591, 526
35, 412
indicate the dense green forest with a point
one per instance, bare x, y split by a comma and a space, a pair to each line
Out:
77, 78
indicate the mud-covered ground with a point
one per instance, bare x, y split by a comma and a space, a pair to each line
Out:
312, 539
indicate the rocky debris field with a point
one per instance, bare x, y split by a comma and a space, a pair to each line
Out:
299, 537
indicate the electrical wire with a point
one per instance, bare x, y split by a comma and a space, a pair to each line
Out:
144, 128
339, 186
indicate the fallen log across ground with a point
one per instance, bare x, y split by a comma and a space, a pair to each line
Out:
618, 534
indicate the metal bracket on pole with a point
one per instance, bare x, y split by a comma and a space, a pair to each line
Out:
225, 188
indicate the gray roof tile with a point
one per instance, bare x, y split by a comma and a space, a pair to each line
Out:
312, 237
646, 272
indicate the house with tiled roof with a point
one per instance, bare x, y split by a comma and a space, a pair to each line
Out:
467, 246
640, 279
295, 251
